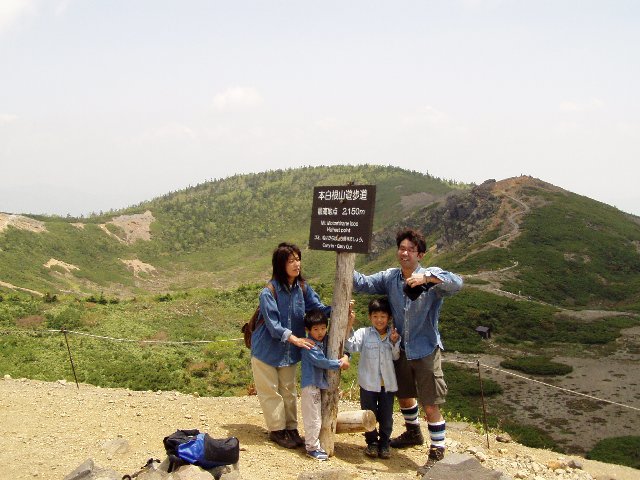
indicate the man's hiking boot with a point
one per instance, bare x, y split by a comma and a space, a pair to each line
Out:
410, 437
295, 436
282, 438
435, 455
371, 450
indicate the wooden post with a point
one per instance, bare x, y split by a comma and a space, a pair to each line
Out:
342, 288
355, 421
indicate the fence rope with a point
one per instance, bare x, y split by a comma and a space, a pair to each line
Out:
546, 384
165, 342
472, 363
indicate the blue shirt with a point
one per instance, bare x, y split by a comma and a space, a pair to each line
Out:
417, 320
282, 317
314, 366
376, 358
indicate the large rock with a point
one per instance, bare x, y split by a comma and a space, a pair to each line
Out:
456, 466
88, 470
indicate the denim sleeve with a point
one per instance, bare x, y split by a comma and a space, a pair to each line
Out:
451, 283
395, 349
318, 359
355, 340
271, 314
373, 284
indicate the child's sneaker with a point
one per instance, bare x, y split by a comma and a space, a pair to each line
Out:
371, 450
318, 454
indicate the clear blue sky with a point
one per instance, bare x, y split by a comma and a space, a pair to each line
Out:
104, 104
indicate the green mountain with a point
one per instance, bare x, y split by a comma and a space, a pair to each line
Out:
220, 233
554, 246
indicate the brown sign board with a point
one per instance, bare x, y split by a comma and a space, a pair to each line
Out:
342, 218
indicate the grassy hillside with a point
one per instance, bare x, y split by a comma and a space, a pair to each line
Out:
569, 250
218, 233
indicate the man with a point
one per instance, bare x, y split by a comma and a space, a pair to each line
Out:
416, 296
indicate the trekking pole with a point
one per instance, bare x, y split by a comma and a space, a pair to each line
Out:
70, 357
484, 409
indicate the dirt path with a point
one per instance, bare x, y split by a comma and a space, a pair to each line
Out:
56, 427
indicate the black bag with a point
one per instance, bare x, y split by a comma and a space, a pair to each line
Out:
192, 447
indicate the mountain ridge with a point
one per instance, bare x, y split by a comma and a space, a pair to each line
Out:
180, 240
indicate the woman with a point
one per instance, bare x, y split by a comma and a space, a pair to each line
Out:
276, 344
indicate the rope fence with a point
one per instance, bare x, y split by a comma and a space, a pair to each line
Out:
196, 342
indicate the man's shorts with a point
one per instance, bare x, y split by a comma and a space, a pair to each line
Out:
421, 378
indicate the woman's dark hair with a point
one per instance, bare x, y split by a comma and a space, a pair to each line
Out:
414, 236
380, 305
279, 262
315, 317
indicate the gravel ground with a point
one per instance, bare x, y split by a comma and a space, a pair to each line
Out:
48, 429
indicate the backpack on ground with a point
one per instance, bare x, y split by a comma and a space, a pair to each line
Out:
192, 447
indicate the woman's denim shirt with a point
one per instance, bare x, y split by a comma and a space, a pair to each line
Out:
269, 342
417, 320
315, 365
376, 358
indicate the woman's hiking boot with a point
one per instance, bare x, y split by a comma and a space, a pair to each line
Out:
410, 437
435, 455
282, 438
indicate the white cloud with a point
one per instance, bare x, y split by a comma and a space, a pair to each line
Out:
426, 115
12, 10
588, 106
327, 124
170, 131
629, 129
237, 98
7, 118
61, 7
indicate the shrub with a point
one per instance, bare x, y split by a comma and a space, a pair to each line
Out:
530, 436
48, 298
70, 319
536, 365
619, 450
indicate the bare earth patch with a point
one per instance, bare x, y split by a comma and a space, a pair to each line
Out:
135, 227
139, 267
68, 267
575, 421
13, 287
21, 222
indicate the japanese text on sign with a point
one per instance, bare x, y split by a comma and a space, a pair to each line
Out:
342, 218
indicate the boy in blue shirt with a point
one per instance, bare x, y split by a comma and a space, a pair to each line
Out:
379, 346
314, 378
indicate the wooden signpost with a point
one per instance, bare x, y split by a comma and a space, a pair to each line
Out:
342, 221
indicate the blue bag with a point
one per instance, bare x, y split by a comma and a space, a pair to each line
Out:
191, 446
